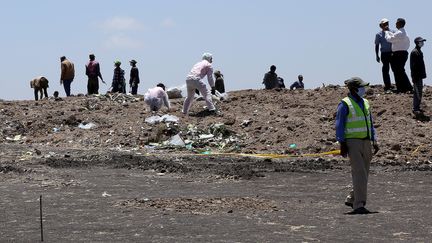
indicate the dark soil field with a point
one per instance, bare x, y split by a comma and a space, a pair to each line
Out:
122, 180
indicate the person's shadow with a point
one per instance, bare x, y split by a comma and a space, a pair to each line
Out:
355, 213
204, 113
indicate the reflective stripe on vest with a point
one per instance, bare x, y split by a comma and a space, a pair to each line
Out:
358, 123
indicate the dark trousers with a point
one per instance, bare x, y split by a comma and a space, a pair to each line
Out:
93, 86
418, 94
42, 92
134, 89
398, 61
385, 60
67, 86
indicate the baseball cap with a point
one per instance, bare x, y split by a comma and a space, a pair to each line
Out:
355, 82
419, 39
384, 20
133, 61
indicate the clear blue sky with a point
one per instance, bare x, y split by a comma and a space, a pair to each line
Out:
326, 41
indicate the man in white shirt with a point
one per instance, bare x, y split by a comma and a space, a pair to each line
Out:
156, 97
400, 45
193, 82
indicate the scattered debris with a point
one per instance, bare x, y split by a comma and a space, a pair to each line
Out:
86, 126
164, 118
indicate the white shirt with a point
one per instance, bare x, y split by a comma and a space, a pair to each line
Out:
399, 39
155, 98
200, 70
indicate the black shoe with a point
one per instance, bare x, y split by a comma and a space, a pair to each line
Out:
349, 204
361, 210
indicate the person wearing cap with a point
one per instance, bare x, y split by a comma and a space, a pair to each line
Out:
156, 97
298, 84
134, 77
418, 72
93, 73
386, 52
194, 81
400, 45
67, 74
118, 82
354, 132
270, 79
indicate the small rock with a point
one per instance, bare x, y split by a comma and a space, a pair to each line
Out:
230, 211
38, 152
396, 147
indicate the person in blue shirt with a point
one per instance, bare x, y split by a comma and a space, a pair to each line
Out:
354, 132
386, 53
298, 84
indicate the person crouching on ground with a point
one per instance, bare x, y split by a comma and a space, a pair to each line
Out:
40, 84
118, 83
354, 132
270, 80
298, 84
156, 97
194, 81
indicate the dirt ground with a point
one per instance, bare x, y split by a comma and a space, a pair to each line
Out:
121, 182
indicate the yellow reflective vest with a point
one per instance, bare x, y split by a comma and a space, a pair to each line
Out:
358, 123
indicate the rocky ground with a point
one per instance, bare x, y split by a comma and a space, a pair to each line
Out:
108, 175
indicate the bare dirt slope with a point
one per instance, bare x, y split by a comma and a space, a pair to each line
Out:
255, 121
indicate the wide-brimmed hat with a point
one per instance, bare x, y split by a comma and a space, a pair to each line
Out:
355, 82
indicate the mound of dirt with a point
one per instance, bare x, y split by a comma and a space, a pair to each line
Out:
252, 121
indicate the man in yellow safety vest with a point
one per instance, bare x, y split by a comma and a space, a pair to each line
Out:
354, 132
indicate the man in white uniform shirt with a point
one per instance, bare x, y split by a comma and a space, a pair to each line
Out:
400, 45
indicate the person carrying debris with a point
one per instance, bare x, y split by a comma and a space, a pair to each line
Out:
134, 77
40, 85
298, 84
93, 73
270, 80
193, 81
118, 83
354, 132
156, 97
67, 74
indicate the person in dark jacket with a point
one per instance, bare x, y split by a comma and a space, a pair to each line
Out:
219, 82
118, 83
270, 80
418, 72
134, 77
